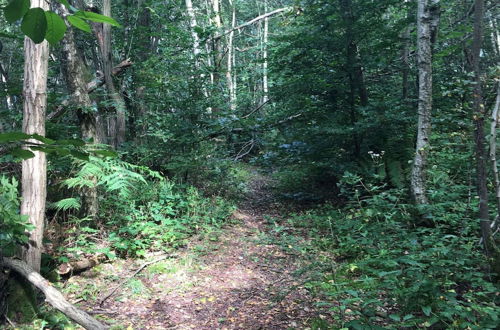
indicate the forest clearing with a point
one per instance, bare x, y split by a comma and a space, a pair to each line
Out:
249, 164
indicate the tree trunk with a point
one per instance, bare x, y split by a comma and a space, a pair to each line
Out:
427, 20
354, 71
116, 124
193, 24
493, 148
74, 74
265, 87
230, 60
34, 170
480, 140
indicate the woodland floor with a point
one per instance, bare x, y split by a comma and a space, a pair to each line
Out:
243, 277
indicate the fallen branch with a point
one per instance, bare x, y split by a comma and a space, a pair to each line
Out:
52, 295
131, 276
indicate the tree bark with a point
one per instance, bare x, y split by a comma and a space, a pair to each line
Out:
54, 297
493, 148
480, 141
74, 74
34, 170
265, 87
427, 21
230, 60
193, 24
117, 123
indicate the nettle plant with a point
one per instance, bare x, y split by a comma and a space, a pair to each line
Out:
39, 24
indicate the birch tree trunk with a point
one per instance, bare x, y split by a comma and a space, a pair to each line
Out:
193, 24
265, 88
427, 21
493, 148
230, 61
34, 170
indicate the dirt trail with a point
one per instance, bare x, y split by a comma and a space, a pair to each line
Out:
240, 280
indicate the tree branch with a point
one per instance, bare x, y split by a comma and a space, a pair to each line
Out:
53, 296
91, 86
250, 22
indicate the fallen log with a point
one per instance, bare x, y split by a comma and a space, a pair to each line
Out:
69, 268
52, 295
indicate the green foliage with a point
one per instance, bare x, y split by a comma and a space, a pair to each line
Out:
13, 226
40, 25
162, 218
112, 174
395, 273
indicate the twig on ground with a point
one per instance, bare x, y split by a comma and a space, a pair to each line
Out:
131, 276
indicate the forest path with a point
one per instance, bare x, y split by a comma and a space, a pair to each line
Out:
243, 277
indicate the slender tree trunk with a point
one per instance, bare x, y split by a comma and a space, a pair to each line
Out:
480, 140
265, 88
4, 78
406, 63
493, 148
34, 170
216, 44
193, 24
230, 60
427, 21
74, 69
117, 124
354, 71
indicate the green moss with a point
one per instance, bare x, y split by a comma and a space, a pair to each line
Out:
21, 300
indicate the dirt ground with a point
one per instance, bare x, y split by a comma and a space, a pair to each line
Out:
239, 279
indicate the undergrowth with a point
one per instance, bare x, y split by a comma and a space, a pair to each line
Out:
141, 212
389, 273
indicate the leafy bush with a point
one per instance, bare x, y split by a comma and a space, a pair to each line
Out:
143, 211
13, 226
164, 220
398, 274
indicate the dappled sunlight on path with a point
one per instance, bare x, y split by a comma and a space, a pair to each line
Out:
235, 280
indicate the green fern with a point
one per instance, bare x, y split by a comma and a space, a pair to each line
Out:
113, 175
67, 204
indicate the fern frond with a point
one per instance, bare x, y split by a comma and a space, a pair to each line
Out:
67, 204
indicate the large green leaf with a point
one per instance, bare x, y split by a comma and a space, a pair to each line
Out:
16, 9
13, 137
34, 25
98, 18
22, 153
55, 27
79, 23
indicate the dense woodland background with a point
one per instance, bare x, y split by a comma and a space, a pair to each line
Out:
181, 102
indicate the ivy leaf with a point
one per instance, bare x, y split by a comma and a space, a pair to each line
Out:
15, 10
34, 25
98, 18
13, 137
55, 27
79, 23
